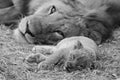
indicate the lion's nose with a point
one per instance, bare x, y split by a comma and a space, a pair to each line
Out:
28, 30
33, 26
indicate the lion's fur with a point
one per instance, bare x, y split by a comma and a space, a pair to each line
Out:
29, 6
97, 13
106, 11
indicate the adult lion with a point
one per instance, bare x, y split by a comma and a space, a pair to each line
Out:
53, 20
49, 21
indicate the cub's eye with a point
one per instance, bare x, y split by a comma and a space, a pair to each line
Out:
52, 9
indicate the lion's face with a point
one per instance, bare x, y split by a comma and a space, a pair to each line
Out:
50, 23
55, 20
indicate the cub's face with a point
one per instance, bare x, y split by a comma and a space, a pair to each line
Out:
50, 23
79, 59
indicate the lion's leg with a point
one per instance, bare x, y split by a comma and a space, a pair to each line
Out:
9, 15
12, 10
22, 6
5, 3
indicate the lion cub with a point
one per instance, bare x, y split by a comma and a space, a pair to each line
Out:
71, 54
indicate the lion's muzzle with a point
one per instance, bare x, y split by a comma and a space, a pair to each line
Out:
35, 31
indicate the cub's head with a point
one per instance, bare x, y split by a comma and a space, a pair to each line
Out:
55, 20
79, 59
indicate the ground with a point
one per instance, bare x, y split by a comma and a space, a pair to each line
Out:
14, 67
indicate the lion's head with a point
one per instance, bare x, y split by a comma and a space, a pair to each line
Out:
55, 20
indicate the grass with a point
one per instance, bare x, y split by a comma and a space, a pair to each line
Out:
13, 67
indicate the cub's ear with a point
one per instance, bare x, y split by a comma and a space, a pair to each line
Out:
78, 46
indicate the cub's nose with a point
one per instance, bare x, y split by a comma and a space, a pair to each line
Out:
69, 67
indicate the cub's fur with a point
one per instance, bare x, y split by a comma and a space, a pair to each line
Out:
70, 53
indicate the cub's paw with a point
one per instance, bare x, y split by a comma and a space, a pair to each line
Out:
35, 58
45, 66
46, 50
